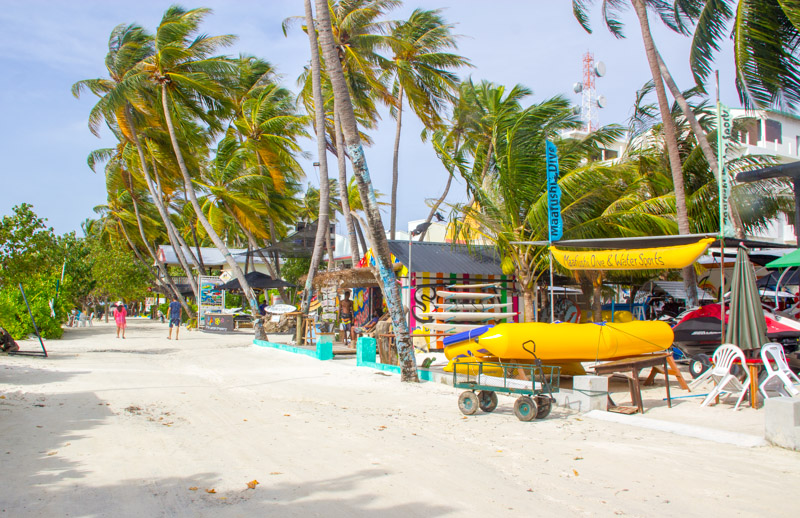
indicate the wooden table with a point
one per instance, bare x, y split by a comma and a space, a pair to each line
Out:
753, 365
630, 367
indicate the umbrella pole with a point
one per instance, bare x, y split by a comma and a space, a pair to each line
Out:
778, 286
722, 290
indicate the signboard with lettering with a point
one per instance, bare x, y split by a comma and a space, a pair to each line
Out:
724, 127
670, 257
211, 298
218, 322
554, 221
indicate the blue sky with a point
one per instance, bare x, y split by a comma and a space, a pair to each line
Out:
46, 46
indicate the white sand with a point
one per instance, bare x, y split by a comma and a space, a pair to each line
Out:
111, 427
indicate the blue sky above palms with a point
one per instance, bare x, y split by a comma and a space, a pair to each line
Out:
47, 46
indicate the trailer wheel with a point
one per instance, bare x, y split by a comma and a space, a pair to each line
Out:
488, 400
545, 405
699, 364
525, 408
468, 402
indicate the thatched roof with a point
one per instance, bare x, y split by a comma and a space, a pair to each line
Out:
346, 278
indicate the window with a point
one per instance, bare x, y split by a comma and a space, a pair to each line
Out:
754, 132
609, 154
773, 131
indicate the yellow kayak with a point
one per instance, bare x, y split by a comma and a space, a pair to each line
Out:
563, 342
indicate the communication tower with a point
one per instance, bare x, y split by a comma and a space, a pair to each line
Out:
591, 102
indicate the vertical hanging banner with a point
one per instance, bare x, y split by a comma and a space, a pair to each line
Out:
554, 221
724, 127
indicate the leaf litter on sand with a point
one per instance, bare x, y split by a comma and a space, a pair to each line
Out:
252, 484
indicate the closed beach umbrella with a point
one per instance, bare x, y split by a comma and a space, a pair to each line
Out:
746, 325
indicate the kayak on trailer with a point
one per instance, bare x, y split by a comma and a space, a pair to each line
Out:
465, 295
561, 341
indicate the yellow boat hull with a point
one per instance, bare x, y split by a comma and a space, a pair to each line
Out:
564, 342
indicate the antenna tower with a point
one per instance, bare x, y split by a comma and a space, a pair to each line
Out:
590, 100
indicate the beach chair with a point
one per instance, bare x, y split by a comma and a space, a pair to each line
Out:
722, 374
778, 372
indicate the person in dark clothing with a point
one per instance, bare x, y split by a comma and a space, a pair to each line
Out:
7, 343
175, 311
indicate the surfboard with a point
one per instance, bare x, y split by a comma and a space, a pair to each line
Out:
465, 316
465, 295
448, 327
470, 286
466, 306
280, 309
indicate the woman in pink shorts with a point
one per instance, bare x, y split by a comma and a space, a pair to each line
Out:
119, 317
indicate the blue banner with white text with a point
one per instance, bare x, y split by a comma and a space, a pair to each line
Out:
554, 221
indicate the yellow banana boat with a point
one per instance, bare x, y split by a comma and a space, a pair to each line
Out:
559, 342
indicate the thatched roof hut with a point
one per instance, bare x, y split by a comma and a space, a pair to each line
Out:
346, 278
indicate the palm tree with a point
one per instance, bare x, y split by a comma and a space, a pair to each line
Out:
319, 126
511, 196
764, 35
610, 11
422, 73
189, 77
380, 245
128, 46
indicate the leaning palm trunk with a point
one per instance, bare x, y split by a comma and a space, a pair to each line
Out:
391, 290
159, 203
324, 187
701, 137
149, 267
187, 180
395, 162
689, 276
178, 237
437, 204
160, 264
341, 160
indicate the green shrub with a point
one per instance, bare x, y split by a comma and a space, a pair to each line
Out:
14, 314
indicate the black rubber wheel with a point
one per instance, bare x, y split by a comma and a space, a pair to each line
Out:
699, 364
545, 405
488, 400
468, 402
525, 408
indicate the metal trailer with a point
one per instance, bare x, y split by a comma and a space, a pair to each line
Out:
535, 383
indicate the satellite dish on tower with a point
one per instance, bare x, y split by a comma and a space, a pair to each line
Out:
601, 101
577, 88
576, 110
599, 69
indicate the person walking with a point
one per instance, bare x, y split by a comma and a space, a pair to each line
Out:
175, 311
346, 318
120, 313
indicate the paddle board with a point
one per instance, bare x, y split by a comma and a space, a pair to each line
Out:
449, 328
471, 286
466, 306
465, 295
464, 316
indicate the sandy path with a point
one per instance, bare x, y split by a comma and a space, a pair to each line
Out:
107, 427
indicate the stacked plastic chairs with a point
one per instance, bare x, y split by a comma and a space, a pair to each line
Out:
722, 373
778, 373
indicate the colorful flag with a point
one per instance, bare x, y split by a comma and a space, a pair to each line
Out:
554, 221
724, 126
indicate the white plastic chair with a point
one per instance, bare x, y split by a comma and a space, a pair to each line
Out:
778, 372
724, 358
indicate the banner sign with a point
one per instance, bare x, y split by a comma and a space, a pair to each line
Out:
724, 126
670, 257
554, 221
212, 299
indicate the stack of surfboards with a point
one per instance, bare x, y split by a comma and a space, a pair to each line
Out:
462, 307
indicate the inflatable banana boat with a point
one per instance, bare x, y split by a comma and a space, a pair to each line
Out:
559, 343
